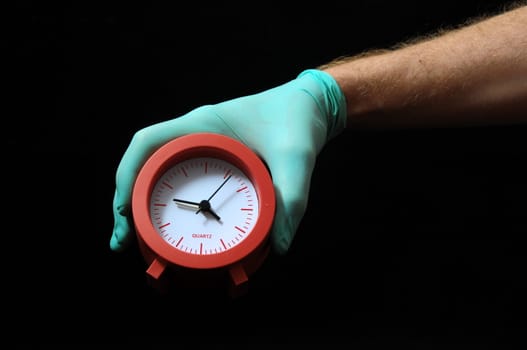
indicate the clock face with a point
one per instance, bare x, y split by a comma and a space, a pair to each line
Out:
203, 206
203, 201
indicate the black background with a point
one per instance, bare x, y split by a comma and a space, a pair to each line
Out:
421, 230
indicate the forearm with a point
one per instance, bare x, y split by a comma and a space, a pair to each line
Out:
468, 76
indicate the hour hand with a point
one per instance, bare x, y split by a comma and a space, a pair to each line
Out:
188, 204
203, 206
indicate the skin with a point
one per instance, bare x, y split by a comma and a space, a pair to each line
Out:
475, 74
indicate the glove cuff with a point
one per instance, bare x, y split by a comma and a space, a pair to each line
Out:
333, 100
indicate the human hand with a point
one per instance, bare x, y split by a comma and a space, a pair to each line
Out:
287, 126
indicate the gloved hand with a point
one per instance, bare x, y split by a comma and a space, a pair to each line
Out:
287, 126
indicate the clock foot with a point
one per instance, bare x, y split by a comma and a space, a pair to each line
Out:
239, 281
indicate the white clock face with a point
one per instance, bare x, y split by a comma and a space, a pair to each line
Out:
204, 206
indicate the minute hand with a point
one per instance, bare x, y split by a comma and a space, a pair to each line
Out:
213, 194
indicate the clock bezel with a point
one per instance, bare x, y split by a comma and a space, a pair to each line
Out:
193, 146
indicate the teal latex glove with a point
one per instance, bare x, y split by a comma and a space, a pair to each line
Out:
287, 126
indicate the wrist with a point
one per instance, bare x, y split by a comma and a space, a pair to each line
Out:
331, 100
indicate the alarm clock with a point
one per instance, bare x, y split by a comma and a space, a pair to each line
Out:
203, 205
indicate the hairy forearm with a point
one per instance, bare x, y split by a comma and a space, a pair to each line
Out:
473, 75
